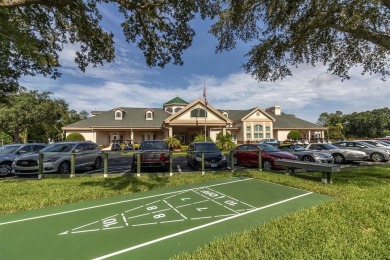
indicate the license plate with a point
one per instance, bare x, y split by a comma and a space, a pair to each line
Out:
214, 165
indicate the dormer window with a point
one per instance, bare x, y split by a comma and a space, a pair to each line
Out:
149, 114
119, 114
225, 114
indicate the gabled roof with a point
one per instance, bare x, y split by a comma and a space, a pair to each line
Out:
133, 118
240, 115
191, 105
259, 110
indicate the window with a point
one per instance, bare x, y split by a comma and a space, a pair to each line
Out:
177, 109
248, 136
258, 135
234, 137
258, 128
248, 129
149, 115
118, 115
198, 112
268, 129
169, 110
267, 135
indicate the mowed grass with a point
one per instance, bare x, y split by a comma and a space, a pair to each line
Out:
355, 225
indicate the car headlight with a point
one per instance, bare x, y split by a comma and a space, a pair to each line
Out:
51, 159
223, 158
387, 151
199, 159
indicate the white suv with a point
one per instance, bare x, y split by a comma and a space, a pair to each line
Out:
57, 158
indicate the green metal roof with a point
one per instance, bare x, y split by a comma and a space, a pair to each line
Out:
176, 101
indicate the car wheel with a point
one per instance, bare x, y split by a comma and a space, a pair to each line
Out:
338, 158
235, 161
308, 159
195, 165
267, 165
377, 157
98, 163
64, 168
5, 168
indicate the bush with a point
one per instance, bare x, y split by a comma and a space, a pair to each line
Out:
75, 137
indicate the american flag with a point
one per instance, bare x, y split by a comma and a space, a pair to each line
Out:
205, 94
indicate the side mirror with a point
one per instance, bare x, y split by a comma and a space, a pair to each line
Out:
22, 152
77, 150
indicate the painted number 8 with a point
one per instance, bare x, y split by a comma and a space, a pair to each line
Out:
159, 216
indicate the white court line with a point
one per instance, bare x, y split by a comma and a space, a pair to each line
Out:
115, 203
196, 228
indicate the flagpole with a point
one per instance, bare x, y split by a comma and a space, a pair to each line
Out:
205, 112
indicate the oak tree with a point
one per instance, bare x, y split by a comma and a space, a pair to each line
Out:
34, 32
285, 33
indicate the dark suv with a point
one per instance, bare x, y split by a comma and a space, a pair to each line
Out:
154, 155
213, 157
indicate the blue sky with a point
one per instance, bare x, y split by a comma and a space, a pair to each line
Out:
128, 82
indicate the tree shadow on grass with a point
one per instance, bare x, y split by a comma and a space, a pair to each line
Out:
131, 183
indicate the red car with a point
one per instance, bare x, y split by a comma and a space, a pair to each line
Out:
154, 155
248, 154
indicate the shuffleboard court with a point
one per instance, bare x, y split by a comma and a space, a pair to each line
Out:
156, 224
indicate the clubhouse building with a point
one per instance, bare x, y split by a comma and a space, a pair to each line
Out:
183, 120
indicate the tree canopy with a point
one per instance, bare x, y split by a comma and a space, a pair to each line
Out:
34, 32
21, 123
285, 33
368, 124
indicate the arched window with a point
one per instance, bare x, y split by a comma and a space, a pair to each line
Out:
198, 112
177, 109
169, 110
258, 128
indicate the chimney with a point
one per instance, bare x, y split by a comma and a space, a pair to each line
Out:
275, 110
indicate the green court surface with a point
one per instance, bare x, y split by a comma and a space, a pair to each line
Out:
156, 224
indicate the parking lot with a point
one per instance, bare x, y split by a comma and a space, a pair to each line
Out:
120, 163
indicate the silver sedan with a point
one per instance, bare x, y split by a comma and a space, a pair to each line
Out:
339, 155
307, 155
377, 154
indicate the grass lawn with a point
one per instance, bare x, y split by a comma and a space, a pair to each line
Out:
356, 225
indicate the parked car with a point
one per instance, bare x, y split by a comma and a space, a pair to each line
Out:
307, 155
154, 155
339, 155
248, 154
213, 156
376, 143
377, 154
115, 147
272, 142
57, 158
9, 152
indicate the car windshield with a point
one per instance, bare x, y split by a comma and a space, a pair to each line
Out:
328, 146
268, 148
58, 148
206, 147
8, 149
298, 148
157, 146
